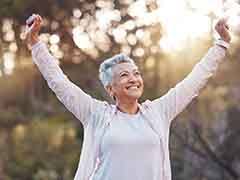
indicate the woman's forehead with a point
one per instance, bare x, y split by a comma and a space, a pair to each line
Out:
124, 67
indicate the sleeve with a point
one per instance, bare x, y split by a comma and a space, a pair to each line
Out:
177, 98
74, 99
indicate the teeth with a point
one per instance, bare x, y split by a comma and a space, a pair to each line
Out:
133, 87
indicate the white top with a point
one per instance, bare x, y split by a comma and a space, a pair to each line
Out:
130, 149
98, 117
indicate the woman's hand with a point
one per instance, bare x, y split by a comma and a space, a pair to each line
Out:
33, 34
223, 30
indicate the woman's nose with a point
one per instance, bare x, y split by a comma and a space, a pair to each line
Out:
132, 78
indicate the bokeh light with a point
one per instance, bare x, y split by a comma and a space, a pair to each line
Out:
139, 27
166, 38
13, 47
106, 16
54, 39
77, 13
8, 62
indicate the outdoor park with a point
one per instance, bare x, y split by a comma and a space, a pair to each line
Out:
41, 140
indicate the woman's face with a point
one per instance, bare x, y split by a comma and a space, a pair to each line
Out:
127, 82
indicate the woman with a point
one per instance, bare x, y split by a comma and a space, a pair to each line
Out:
127, 140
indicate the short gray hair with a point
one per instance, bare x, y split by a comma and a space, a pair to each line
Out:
105, 70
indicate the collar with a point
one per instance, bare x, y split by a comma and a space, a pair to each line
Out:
140, 108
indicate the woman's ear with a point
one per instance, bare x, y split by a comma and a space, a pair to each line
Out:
109, 90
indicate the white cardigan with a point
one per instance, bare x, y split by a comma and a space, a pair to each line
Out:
96, 115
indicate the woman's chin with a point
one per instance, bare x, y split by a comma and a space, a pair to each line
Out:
134, 96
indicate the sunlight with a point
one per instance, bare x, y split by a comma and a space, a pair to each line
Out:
183, 22
106, 16
77, 13
8, 62
138, 8
174, 23
206, 6
82, 40
150, 62
7, 25
126, 49
232, 13
54, 39
101, 40
19, 131
9, 36
13, 47
119, 35
132, 40
45, 37
187, 21
129, 25
139, 52
179, 32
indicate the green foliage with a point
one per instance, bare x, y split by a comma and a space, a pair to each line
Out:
40, 140
10, 8
43, 149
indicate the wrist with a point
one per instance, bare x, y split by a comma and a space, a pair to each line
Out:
222, 43
34, 40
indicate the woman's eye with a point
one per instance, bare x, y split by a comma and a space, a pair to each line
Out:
123, 75
137, 73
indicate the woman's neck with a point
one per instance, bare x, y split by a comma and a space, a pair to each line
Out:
128, 107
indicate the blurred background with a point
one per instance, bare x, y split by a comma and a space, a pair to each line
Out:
41, 140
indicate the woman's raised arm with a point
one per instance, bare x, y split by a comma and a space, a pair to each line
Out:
75, 100
177, 98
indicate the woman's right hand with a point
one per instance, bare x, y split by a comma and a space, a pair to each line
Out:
33, 34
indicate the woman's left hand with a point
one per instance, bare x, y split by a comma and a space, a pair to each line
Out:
223, 30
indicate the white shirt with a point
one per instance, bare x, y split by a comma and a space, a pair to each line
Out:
97, 116
130, 149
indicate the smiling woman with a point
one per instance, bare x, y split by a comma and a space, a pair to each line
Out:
127, 140
122, 80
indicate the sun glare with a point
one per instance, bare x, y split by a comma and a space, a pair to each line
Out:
188, 20
182, 22
133, 25
8, 62
185, 20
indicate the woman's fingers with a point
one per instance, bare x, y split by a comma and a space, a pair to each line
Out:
37, 23
39, 17
222, 29
34, 25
